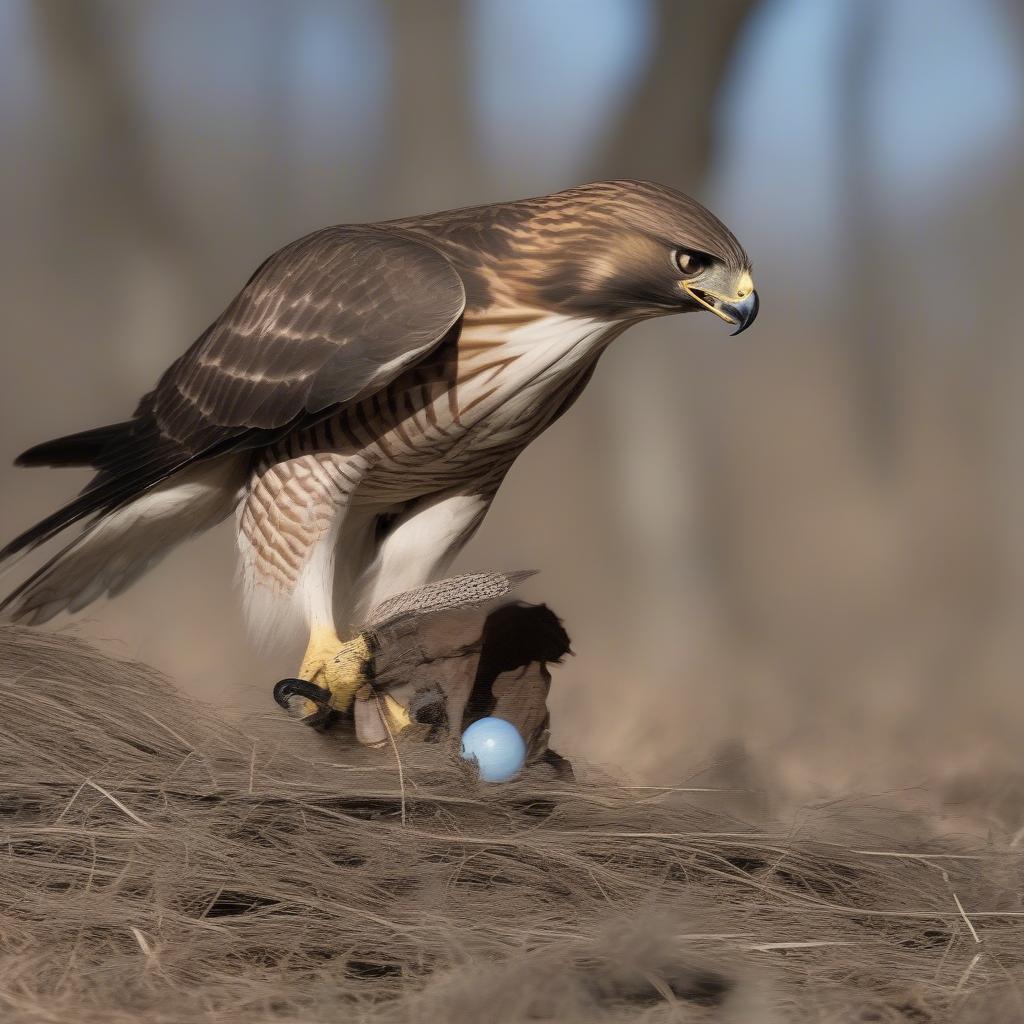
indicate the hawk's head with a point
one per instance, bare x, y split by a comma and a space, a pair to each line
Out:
624, 249
614, 250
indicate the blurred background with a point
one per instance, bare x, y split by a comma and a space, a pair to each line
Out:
813, 548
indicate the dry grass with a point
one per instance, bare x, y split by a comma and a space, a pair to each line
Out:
162, 866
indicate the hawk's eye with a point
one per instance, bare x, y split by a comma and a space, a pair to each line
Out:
691, 263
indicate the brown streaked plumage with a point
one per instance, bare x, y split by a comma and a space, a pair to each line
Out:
360, 400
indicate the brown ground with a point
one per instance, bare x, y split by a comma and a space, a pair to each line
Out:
163, 866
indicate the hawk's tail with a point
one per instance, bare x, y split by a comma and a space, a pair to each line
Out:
128, 463
113, 551
81, 449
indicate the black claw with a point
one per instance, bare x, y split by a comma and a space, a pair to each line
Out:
288, 688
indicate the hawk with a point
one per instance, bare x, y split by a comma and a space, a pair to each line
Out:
359, 402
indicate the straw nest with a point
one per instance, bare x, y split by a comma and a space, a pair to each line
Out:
160, 865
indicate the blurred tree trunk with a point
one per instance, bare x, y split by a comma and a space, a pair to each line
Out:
1010, 368
667, 132
88, 79
431, 161
871, 312
137, 259
659, 467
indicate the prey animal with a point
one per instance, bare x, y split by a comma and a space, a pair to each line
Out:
359, 402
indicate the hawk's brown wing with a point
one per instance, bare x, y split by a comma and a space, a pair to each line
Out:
332, 317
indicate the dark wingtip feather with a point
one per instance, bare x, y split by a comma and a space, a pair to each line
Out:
47, 528
104, 494
81, 449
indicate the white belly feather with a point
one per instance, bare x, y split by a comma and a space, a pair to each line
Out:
437, 467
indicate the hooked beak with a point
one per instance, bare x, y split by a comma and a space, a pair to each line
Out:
744, 312
740, 309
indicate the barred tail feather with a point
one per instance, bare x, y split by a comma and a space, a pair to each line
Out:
119, 547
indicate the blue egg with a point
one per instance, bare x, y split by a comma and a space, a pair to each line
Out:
497, 748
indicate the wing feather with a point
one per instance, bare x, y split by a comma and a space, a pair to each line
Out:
326, 320
333, 316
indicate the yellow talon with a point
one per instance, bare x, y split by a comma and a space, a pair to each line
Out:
397, 714
340, 666
380, 718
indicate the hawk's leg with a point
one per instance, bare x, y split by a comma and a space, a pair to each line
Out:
293, 526
336, 669
417, 547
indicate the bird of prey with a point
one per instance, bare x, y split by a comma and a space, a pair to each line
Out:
359, 402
